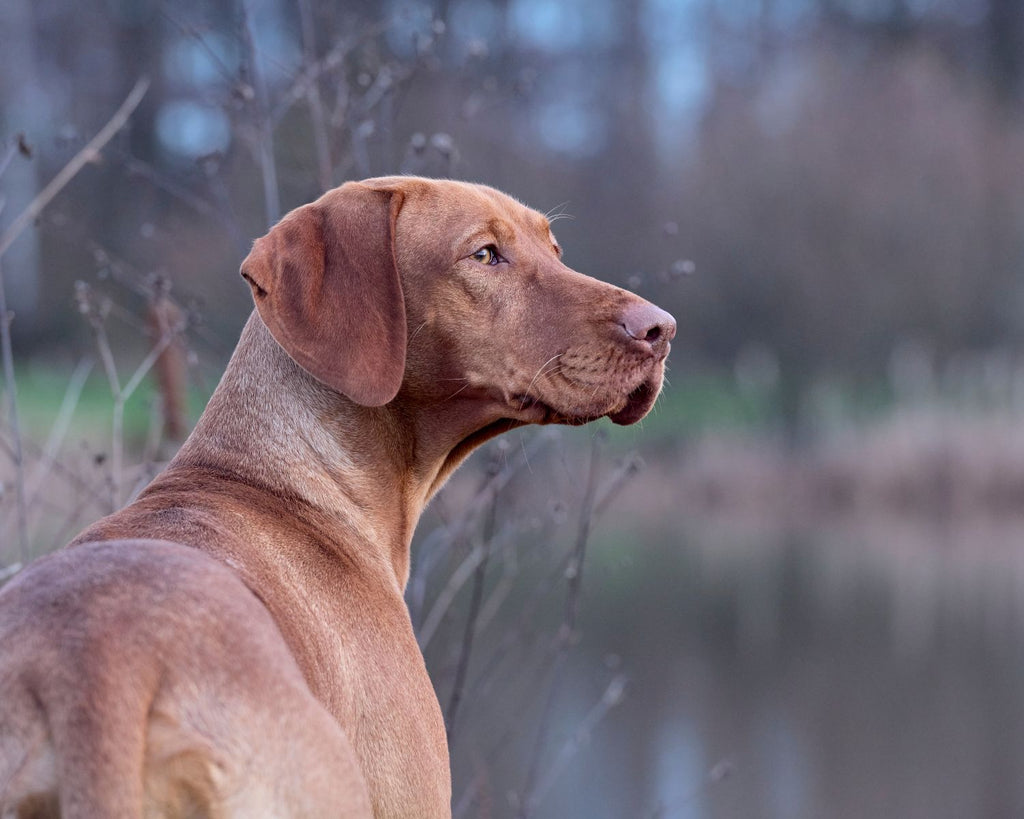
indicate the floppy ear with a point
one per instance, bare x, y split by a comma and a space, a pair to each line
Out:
326, 285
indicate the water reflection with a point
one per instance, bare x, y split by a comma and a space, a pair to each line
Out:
806, 679
779, 664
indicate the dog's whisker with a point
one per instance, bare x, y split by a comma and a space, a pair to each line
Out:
416, 332
460, 389
533, 381
556, 212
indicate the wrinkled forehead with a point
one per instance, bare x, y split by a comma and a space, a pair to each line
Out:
452, 209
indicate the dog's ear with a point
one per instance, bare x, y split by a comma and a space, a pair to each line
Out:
326, 285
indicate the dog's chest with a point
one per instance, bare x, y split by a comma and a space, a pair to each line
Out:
355, 645
369, 672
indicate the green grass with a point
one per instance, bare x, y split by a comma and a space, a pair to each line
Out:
42, 390
690, 406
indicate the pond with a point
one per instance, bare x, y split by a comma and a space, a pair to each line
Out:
760, 667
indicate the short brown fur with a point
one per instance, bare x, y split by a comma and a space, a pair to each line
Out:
234, 643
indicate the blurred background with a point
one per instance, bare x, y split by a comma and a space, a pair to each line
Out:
797, 588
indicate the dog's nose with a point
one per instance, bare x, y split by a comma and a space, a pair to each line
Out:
645, 322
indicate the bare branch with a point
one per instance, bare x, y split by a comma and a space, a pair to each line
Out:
192, 32
18, 454
268, 165
5, 160
164, 340
60, 425
67, 173
220, 210
469, 633
332, 60
458, 578
611, 697
121, 393
604, 496
436, 545
321, 138
566, 632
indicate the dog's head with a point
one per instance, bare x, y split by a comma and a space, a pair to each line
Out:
439, 292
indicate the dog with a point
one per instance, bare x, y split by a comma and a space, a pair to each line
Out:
234, 643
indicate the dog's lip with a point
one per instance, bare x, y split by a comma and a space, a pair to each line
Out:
641, 399
638, 403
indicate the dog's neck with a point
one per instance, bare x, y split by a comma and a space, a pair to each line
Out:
271, 424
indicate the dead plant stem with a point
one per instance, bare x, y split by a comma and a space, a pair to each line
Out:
78, 161
10, 385
566, 633
267, 163
60, 426
476, 598
121, 394
12, 149
321, 137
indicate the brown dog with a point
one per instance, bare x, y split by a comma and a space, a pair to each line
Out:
235, 643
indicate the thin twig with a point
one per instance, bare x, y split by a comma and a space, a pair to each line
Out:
503, 652
120, 393
268, 165
331, 61
35, 207
192, 32
140, 168
566, 632
440, 540
311, 72
68, 473
614, 483
476, 597
67, 173
117, 411
145, 472
73, 518
12, 149
162, 343
456, 580
499, 594
611, 697
18, 455
603, 499
60, 426
321, 138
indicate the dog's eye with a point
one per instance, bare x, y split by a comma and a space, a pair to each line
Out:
488, 255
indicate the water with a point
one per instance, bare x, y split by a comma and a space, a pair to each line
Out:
776, 668
800, 681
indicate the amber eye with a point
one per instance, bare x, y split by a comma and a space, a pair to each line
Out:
488, 255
